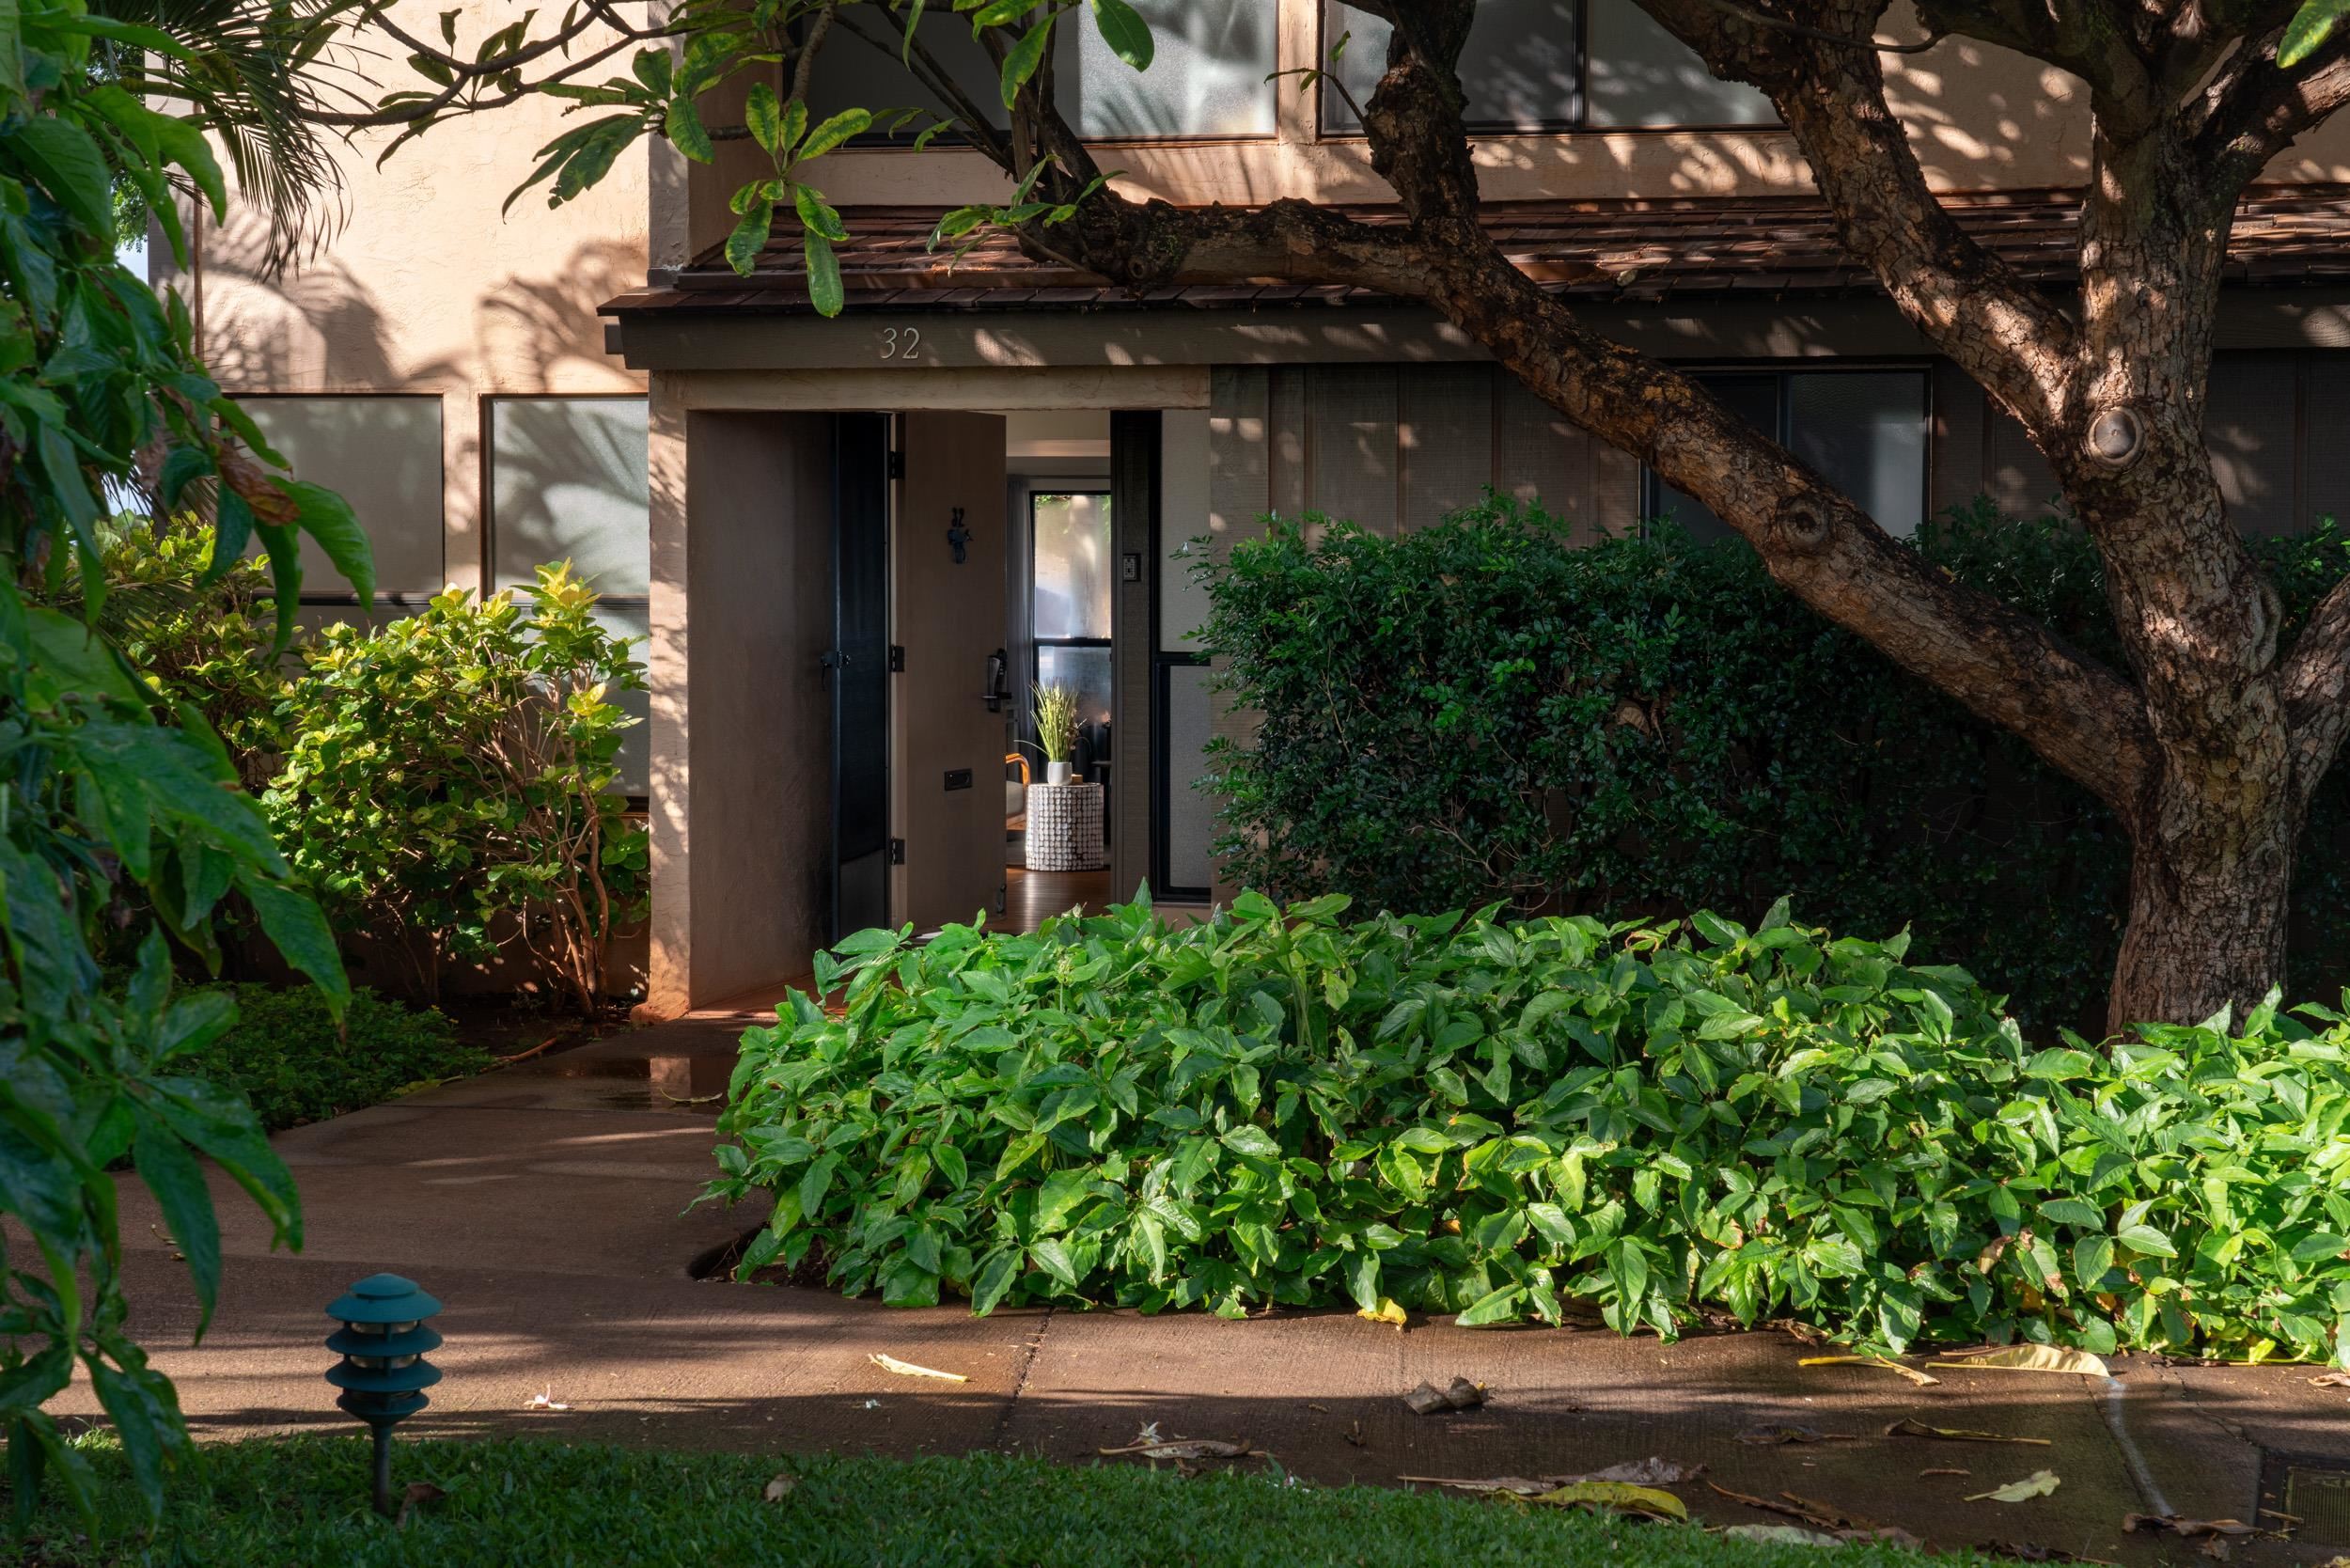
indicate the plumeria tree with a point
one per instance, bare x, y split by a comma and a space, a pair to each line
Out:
2205, 741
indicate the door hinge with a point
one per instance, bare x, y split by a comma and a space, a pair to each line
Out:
897, 852
897, 659
897, 465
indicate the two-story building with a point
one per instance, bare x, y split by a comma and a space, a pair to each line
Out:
827, 725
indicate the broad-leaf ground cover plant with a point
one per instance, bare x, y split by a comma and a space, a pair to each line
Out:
1498, 1119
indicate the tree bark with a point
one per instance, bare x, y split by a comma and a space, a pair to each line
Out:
2207, 919
2208, 747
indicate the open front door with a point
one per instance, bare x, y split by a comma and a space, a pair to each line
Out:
947, 749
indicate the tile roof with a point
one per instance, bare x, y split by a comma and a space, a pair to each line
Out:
1630, 251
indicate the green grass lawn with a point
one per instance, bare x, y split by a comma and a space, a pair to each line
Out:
301, 1503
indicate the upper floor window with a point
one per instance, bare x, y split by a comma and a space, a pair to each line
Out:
1548, 65
1208, 76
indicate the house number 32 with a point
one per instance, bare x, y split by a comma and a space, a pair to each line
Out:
902, 342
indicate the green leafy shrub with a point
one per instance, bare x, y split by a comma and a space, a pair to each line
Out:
289, 1058
1493, 1118
450, 781
1647, 726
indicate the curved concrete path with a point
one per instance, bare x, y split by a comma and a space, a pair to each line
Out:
547, 1206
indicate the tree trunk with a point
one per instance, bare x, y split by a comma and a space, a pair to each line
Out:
2208, 896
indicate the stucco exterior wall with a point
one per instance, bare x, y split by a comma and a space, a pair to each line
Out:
427, 288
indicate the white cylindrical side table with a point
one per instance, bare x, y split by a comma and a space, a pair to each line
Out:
1065, 828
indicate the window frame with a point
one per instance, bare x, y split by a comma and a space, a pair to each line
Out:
347, 599
902, 141
1036, 644
1493, 131
1652, 487
486, 476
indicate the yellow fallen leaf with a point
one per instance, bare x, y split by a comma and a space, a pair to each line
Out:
2037, 1485
1622, 1496
1386, 1312
907, 1369
1907, 1428
2051, 1358
1921, 1379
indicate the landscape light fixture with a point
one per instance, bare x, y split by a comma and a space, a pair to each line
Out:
382, 1373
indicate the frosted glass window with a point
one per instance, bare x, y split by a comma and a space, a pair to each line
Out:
1083, 668
854, 74
382, 455
1639, 74
634, 622
1518, 68
1184, 527
1866, 433
1073, 566
1210, 60
568, 483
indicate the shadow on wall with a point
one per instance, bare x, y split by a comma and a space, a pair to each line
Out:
320, 326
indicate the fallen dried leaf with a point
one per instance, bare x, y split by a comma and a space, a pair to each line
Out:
779, 1488
418, 1495
1958, 1434
2051, 1358
1781, 1535
1822, 1515
1354, 1434
2188, 1529
543, 1401
1618, 1497
1460, 1394
1189, 1448
907, 1369
1921, 1379
1386, 1312
1516, 1486
1652, 1471
2330, 1380
2037, 1485
1772, 1434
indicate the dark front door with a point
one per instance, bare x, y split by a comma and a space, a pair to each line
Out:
860, 673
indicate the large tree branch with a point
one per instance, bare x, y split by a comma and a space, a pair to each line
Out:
2081, 716
2253, 108
1966, 301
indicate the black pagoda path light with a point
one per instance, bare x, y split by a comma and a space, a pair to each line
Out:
382, 1373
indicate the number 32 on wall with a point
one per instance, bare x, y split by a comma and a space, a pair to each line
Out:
902, 342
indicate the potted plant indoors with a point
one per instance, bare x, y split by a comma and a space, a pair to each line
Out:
1056, 730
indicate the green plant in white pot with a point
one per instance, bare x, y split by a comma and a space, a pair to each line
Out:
1056, 730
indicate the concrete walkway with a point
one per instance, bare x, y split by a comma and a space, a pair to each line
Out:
542, 1205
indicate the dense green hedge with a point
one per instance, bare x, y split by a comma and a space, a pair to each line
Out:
1489, 1119
1645, 727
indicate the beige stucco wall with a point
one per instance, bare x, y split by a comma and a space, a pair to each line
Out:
427, 288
